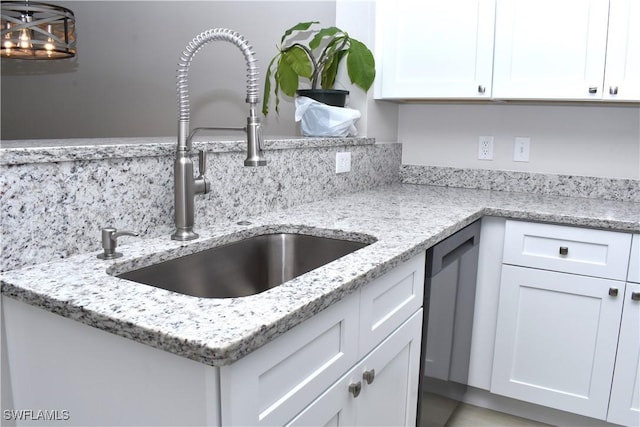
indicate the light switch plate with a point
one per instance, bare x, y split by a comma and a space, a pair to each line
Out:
521, 146
343, 162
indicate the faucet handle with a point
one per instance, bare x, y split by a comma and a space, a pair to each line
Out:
109, 242
201, 185
202, 162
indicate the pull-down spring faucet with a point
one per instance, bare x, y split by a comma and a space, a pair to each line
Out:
186, 186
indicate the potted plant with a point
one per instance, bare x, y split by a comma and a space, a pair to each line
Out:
318, 62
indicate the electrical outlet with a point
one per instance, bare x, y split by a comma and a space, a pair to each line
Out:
485, 148
521, 147
343, 162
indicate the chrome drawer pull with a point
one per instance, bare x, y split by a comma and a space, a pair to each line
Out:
369, 376
564, 250
635, 296
355, 388
613, 292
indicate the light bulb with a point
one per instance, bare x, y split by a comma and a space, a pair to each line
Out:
7, 43
49, 46
24, 39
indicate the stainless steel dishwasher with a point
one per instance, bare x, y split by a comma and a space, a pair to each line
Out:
450, 290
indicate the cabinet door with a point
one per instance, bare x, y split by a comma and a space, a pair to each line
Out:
556, 339
435, 48
273, 384
624, 407
390, 396
550, 49
622, 75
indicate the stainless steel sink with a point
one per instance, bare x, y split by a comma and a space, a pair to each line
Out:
246, 267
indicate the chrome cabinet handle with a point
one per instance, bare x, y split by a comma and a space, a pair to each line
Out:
593, 89
355, 388
369, 376
613, 292
613, 90
564, 250
635, 296
481, 89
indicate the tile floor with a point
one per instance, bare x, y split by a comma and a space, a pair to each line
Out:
441, 409
473, 416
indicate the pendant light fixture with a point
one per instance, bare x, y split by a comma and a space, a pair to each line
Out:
34, 30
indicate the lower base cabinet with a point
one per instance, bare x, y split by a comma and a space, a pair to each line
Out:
355, 363
556, 339
381, 390
568, 326
624, 406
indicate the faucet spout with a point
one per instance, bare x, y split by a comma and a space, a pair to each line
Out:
186, 186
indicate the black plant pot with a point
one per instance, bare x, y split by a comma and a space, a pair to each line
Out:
334, 97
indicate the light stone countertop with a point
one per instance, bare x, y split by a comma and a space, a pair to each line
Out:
404, 219
60, 150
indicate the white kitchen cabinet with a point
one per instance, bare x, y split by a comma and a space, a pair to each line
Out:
597, 253
87, 377
434, 49
275, 383
562, 291
485, 314
624, 407
576, 50
381, 390
550, 49
272, 384
556, 339
622, 73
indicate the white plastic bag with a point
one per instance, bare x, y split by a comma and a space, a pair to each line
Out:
318, 119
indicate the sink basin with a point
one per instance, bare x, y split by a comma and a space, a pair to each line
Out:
246, 267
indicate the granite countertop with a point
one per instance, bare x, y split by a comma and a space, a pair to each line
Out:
404, 220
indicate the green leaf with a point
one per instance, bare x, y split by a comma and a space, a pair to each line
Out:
302, 26
325, 32
360, 65
330, 70
267, 89
297, 58
286, 77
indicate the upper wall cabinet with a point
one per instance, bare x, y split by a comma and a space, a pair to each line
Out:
576, 50
434, 48
549, 49
622, 72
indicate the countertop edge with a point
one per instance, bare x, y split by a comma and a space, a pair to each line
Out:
253, 339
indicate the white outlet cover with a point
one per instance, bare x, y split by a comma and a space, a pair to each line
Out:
343, 162
485, 148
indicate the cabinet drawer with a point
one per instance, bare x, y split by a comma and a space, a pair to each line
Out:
389, 300
574, 250
271, 385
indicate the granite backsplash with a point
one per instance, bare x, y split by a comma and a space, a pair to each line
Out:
624, 190
56, 197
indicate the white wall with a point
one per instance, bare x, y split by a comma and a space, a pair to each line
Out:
379, 118
122, 82
602, 141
